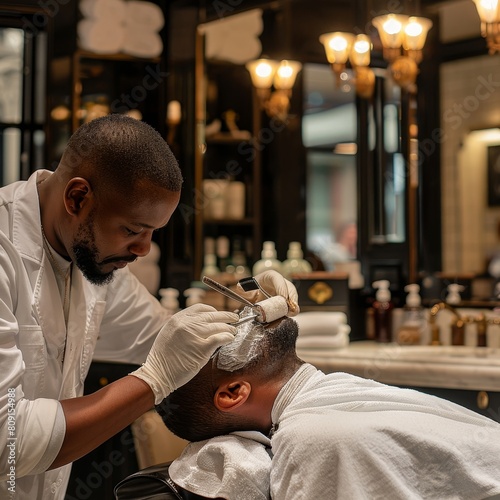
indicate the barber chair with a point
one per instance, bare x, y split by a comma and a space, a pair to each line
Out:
152, 483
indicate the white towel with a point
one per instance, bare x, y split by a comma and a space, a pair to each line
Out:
233, 466
320, 323
99, 36
234, 38
145, 14
337, 341
110, 11
141, 42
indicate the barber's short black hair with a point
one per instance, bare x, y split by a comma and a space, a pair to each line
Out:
119, 152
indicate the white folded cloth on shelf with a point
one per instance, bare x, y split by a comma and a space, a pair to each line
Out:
113, 11
148, 14
234, 38
320, 322
141, 42
233, 466
113, 26
100, 37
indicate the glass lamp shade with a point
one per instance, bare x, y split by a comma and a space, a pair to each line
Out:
285, 75
390, 28
262, 72
488, 10
415, 31
337, 46
360, 53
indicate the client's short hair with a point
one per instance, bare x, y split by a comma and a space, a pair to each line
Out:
190, 412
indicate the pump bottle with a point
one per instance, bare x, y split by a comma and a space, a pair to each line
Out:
268, 259
453, 298
295, 262
382, 311
169, 299
413, 324
210, 268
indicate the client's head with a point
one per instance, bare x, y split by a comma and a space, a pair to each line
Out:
231, 393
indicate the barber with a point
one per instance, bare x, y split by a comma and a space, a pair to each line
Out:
66, 238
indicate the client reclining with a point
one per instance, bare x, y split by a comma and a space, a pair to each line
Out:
336, 435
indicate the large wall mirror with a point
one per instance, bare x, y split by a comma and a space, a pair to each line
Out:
329, 134
470, 111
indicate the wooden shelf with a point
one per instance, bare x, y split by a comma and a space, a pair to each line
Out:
85, 54
227, 138
247, 221
231, 89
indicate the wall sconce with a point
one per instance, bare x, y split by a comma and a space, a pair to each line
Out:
267, 73
403, 39
489, 13
342, 47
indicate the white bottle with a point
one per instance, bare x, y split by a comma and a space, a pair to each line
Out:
241, 269
269, 259
210, 268
169, 299
453, 298
413, 327
295, 262
194, 295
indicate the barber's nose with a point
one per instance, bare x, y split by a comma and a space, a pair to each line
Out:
141, 246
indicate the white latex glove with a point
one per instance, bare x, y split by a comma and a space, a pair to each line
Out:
275, 284
183, 346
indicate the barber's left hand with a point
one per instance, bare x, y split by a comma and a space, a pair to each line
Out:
183, 346
275, 284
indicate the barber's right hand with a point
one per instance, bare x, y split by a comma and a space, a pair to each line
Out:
183, 346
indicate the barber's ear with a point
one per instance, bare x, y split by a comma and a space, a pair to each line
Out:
76, 194
231, 395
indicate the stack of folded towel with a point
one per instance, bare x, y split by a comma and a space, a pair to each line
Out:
113, 26
320, 332
234, 38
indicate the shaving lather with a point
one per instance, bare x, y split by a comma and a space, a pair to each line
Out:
266, 311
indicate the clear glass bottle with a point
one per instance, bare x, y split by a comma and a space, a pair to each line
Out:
295, 262
268, 259
413, 325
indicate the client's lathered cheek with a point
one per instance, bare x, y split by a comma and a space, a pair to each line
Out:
244, 347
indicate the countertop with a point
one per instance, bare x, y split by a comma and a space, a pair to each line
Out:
447, 367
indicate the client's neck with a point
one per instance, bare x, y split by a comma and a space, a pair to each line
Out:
265, 392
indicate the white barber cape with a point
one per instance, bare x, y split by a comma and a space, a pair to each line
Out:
32, 332
339, 436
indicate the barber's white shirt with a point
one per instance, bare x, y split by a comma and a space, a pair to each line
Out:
33, 379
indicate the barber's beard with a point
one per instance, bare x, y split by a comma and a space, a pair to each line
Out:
86, 255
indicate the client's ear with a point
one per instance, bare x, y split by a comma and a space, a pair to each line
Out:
230, 395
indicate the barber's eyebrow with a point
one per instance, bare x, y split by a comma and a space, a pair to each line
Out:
144, 225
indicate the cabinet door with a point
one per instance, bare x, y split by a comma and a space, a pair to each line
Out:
486, 403
85, 86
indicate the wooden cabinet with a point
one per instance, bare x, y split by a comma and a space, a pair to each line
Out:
486, 403
227, 184
84, 85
